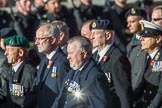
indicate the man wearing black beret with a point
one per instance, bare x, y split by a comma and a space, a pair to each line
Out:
113, 62
21, 73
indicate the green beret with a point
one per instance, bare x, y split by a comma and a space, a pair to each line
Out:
17, 41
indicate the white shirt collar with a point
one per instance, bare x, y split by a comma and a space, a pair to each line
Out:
137, 36
94, 50
17, 66
103, 51
154, 53
52, 54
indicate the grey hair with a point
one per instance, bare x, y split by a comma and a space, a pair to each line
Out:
51, 30
83, 43
62, 26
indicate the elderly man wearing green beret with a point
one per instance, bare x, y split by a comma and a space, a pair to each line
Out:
22, 72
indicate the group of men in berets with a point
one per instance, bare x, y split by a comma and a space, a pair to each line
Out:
80, 78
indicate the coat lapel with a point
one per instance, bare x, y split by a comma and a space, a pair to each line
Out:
41, 70
48, 70
84, 72
108, 55
18, 74
142, 72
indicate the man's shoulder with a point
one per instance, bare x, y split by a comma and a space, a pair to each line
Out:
29, 67
93, 68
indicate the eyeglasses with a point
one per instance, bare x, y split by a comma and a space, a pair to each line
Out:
156, 19
42, 39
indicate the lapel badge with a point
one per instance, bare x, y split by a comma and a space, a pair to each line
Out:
50, 63
157, 56
152, 62
105, 58
54, 73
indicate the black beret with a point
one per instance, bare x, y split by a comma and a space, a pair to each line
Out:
136, 12
149, 29
17, 41
101, 24
6, 32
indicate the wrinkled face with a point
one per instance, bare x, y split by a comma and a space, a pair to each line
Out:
75, 56
53, 6
12, 54
43, 43
156, 17
133, 24
148, 43
98, 38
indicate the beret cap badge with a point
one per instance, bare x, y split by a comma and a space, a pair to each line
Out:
133, 11
94, 25
10, 42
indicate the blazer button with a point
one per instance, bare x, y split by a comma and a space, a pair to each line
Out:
66, 102
144, 91
150, 92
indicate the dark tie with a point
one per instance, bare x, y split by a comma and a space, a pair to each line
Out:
148, 62
13, 71
97, 57
76, 75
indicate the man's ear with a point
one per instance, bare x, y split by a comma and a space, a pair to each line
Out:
21, 52
53, 40
84, 53
159, 39
61, 36
108, 35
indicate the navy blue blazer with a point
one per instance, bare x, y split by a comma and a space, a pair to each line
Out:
117, 68
93, 88
48, 81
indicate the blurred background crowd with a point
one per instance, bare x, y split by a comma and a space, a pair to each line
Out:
26, 16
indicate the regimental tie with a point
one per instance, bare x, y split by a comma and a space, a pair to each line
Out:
97, 57
148, 61
13, 71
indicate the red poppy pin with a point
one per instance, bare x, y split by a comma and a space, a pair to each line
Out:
152, 62
105, 58
50, 63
